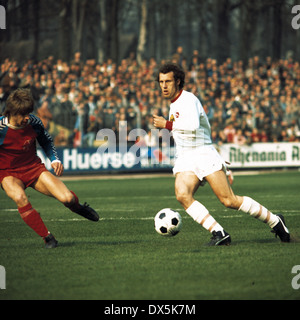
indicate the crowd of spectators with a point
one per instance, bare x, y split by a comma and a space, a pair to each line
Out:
254, 102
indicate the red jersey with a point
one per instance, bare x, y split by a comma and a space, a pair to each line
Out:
18, 145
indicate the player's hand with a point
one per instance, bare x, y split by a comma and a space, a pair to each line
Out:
58, 168
159, 122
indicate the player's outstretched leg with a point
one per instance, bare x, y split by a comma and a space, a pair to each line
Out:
222, 189
276, 222
83, 210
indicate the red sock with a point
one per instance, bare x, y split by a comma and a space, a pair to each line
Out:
32, 218
75, 206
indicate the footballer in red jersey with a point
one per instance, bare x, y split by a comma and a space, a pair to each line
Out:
20, 167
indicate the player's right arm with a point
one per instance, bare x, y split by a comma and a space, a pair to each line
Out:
162, 123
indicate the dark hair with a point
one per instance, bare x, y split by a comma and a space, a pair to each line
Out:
177, 71
19, 102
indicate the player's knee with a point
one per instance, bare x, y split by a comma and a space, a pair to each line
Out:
68, 199
21, 200
183, 198
180, 197
226, 202
229, 202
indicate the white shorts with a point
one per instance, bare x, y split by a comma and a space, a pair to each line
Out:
203, 161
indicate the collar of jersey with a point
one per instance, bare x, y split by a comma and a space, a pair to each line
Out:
179, 94
17, 128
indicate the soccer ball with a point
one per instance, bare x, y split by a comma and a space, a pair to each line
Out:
167, 222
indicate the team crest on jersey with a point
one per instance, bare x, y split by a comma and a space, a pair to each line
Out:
27, 144
172, 118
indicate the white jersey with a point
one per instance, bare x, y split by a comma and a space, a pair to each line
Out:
191, 127
192, 134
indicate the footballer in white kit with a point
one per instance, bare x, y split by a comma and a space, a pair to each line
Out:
197, 161
192, 135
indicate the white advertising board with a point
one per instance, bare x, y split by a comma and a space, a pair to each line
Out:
262, 155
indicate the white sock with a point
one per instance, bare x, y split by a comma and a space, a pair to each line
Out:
259, 212
201, 215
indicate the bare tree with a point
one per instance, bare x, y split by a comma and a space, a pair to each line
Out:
248, 13
36, 27
278, 23
78, 15
217, 28
113, 27
103, 30
143, 32
64, 30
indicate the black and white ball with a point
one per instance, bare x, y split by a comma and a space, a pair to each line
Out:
167, 222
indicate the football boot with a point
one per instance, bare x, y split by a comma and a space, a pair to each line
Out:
87, 212
281, 230
219, 238
50, 241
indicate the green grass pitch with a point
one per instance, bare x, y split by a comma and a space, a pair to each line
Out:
121, 257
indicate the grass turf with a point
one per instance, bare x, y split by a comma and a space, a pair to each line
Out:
122, 257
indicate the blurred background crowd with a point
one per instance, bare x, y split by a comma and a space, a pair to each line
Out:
254, 102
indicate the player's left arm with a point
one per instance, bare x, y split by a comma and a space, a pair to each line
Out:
58, 167
47, 144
